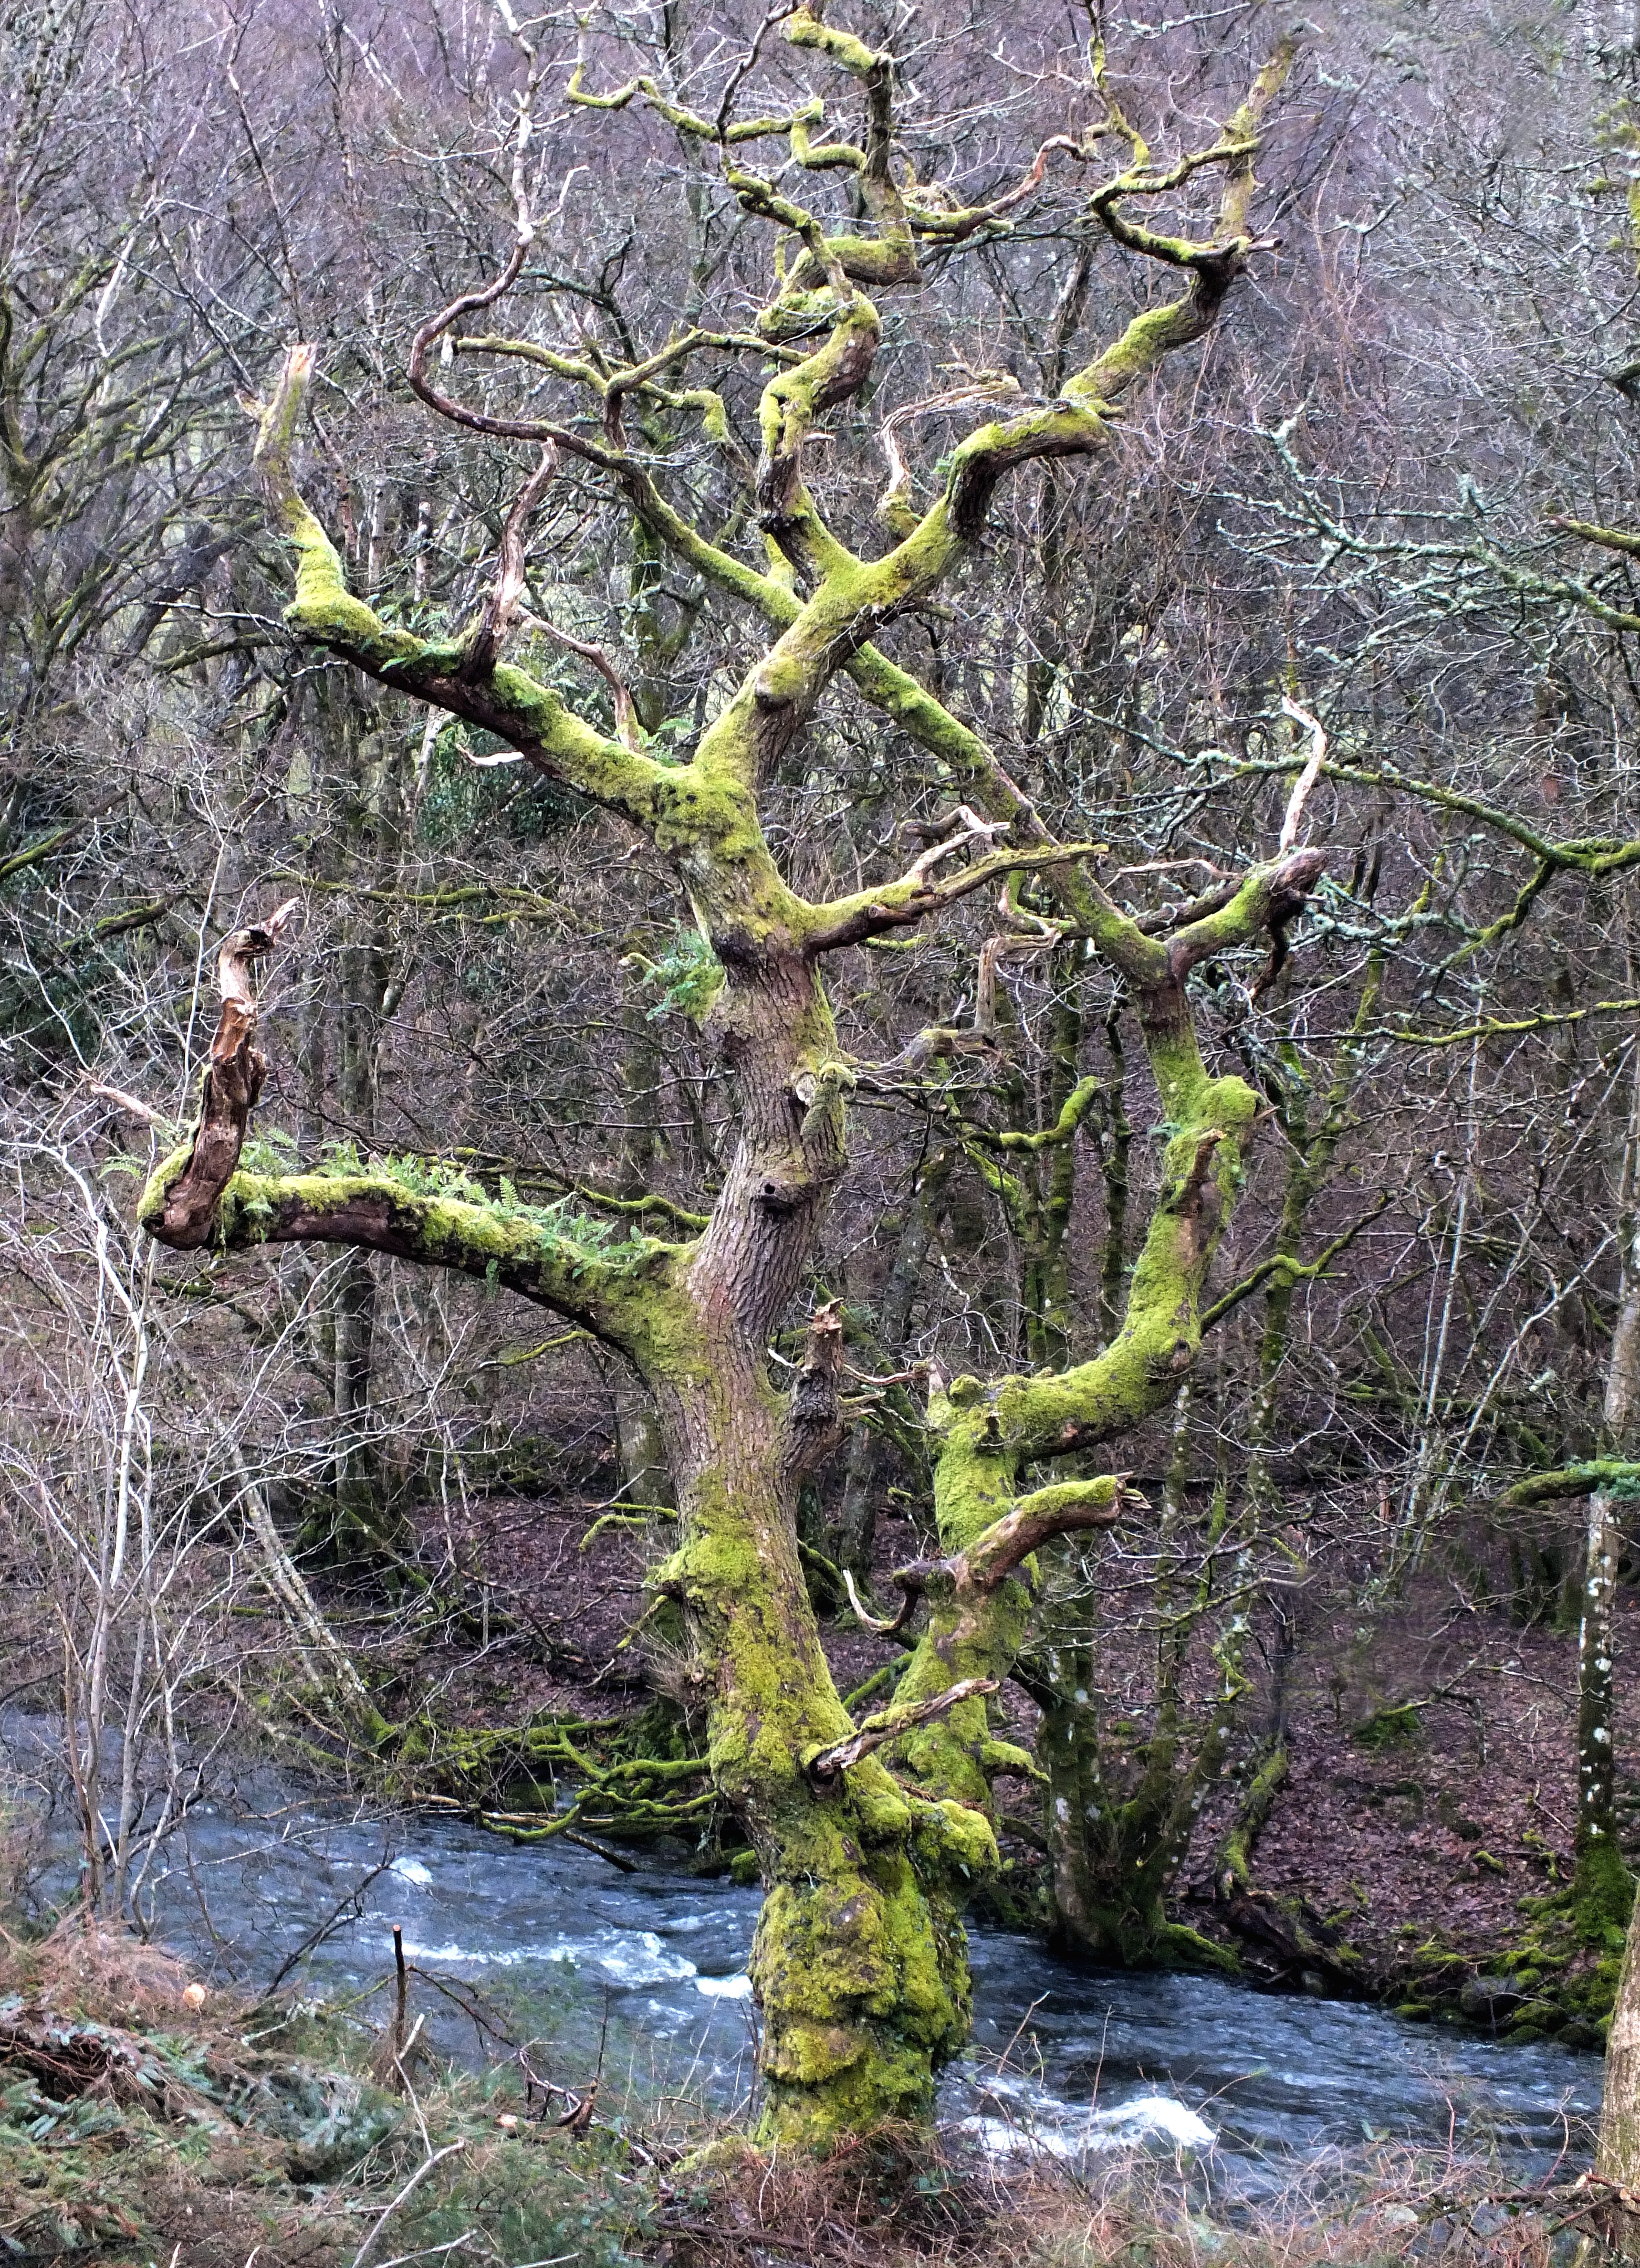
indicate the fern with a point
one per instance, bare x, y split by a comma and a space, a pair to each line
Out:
690, 976
270, 1150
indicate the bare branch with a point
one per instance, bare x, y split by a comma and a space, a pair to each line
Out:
913, 1582
501, 607
126, 1103
626, 725
829, 1763
1306, 778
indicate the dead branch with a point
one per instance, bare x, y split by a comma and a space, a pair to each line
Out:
626, 725
962, 827
911, 1581
1306, 778
232, 1084
122, 1101
877, 1731
894, 506
501, 607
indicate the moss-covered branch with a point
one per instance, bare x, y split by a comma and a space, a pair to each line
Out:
866, 914
1060, 1509
1612, 1476
502, 698
533, 1251
891, 1725
1282, 1267
202, 1195
980, 1595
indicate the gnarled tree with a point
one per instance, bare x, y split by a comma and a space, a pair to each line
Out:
869, 1837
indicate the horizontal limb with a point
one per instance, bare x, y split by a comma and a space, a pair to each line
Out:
514, 1247
200, 1196
898, 905
1600, 1474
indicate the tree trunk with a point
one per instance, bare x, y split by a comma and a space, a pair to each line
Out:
862, 1981
860, 1974
1120, 1813
1602, 1890
360, 1518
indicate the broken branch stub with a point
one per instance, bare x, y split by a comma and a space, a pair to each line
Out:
1308, 776
912, 1581
232, 1081
813, 1424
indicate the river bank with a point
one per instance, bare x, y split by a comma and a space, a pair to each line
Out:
636, 1974
1416, 1852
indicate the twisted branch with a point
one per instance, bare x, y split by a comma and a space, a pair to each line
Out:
232, 1084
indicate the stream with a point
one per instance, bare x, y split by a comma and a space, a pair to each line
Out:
652, 1963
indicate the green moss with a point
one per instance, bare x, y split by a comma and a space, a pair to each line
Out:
863, 1988
1400, 1727
859, 1961
1186, 1948
150, 1205
1252, 1814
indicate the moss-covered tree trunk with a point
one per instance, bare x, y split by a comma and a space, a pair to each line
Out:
870, 1836
1603, 1893
859, 1973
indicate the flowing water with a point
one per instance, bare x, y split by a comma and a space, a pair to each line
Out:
648, 1968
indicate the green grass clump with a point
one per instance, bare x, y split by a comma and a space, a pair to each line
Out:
136, 2127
